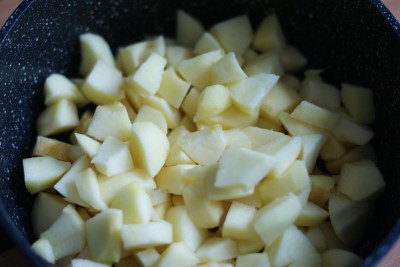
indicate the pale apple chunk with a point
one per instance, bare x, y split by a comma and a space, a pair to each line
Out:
146, 80
242, 167
312, 145
292, 59
227, 70
66, 185
43, 248
359, 102
320, 93
159, 196
87, 263
296, 127
238, 223
280, 98
217, 249
269, 35
290, 246
172, 115
274, 218
83, 125
184, 230
171, 179
340, 258
265, 63
212, 101
295, 179
196, 70
75, 153
149, 147
45, 146
309, 260
45, 210
205, 146
348, 218
331, 239
103, 235
233, 118
173, 88
332, 149
317, 238
315, 115
191, 101
67, 234
253, 260
133, 97
150, 114
59, 117
252, 200
175, 54
206, 43
147, 257
88, 145
321, 188
237, 138
260, 137
146, 235
349, 131
110, 120
177, 133
188, 29
361, 181
93, 48
41, 173
269, 125
234, 35
177, 254
245, 247
311, 215
160, 211
249, 93
176, 156
103, 84
88, 189
57, 87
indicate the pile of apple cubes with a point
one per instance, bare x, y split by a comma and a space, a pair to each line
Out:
202, 155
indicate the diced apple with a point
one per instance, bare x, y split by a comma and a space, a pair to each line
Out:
150, 114
233, 118
57, 87
340, 258
59, 117
269, 35
103, 235
190, 103
292, 59
43, 248
88, 189
269, 125
260, 137
172, 115
269, 62
321, 188
359, 102
212, 101
227, 70
41, 173
249, 93
332, 240
332, 149
274, 218
245, 247
160, 211
45, 146
234, 35
206, 43
83, 125
311, 215
315, 115
349, 131
67, 234
146, 235
93, 48
312, 145
296, 127
147, 257
317, 238
237, 138
88, 145
217, 249
177, 254
253, 259
176, 54
171, 179
176, 156
361, 181
320, 93
188, 29
110, 120
173, 88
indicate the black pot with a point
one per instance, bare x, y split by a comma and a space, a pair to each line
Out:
355, 41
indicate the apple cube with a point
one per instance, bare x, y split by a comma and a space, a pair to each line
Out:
58, 87
88, 145
274, 218
88, 189
260, 137
253, 259
320, 93
246, 247
234, 35
177, 254
175, 54
147, 257
317, 238
332, 149
43, 248
45, 146
339, 258
190, 103
292, 59
172, 115
311, 215
321, 188
359, 102
173, 88
331, 239
206, 43
312, 145
188, 29
212, 101
227, 70
146, 235
237, 138
296, 127
269, 62
150, 114
361, 181
83, 125
269, 35
349, 131
172, 179
217, 249
59, 117
233, 118
177, 157
110, 120
41, 173
315, 115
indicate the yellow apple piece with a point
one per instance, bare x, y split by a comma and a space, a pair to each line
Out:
246, 247
45, 146
317, 238
253, 259
315, 115
233, 118
312, 145
248, 94
113, 157
237, 138
93, 48
147, 257
135, 203
59, 117
88, 189
331, 239
361, 181
321, 188
188, 29
184, 230
172, 88
234, 35
150, 114
103, 84
88, 145
177, 157
311, 215
340, 258
292, 59
196, 70
175, 54
110, 120
57, 87
260, 137
147, 78
67, 233
227, 70
190, 103
206, 43
160, 211
297, 127
212, 101
149, 147
274, 218
171, 179
359, 102
172, 115
332, 149
87, 263
269, 35
320, 93
217, 249
349, 131
41, 173
146, 235
269, 62
177, 133
205, 146
177, 254
43, 248
238, 223
242, 167
83, 125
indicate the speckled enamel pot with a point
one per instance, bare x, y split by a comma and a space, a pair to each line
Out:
355, 41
